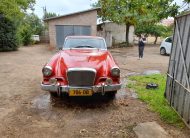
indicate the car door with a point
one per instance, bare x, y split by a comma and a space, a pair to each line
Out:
168, 45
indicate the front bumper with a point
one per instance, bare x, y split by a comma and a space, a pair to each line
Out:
96, 88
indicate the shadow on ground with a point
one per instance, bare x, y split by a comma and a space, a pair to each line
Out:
96, 101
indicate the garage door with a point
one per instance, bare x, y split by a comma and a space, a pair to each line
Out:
63, 31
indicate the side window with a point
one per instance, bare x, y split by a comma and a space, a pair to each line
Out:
169, 40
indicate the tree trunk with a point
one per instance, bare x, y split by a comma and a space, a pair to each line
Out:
127, 34
156, 38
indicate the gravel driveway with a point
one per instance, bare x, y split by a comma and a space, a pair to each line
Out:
27, 111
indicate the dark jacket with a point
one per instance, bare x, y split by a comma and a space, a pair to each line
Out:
142, 42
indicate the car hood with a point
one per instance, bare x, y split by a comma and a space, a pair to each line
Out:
83, 58
101, 60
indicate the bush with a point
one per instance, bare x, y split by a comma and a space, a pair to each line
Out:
25, 34
31, 25
8, 37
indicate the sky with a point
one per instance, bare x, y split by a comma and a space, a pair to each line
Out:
62, 7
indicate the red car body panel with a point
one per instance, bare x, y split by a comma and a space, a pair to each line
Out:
100, 60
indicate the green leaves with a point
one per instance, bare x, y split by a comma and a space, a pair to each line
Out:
8, 38
25, 33
151, 29
49, 15
15, 8
188, 1
31, 25
13, 12
34, 22
154, 30
137, 12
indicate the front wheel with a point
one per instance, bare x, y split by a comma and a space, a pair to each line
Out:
111, 94
53, 94
162, 51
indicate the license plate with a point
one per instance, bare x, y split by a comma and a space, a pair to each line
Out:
80, 92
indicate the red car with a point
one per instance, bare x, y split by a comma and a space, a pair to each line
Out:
83, 67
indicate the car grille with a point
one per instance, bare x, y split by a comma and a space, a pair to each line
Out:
81, 76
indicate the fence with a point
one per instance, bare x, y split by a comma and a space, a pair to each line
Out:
178, 78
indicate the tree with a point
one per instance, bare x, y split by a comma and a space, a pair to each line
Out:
25, 33
188, 1
14, 9
31, 25
48, 14
133, 12
34, 22
12, 12
8, 38
155, 30
96, 4
169, 30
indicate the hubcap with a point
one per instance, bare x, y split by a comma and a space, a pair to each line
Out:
162, 51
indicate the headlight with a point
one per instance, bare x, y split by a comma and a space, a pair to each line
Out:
109, 81
53, 81
115, 72
47, 71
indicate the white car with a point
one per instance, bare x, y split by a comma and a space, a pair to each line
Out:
166, 45
35, 38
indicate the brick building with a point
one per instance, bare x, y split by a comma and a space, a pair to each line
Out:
78, 23
114, 33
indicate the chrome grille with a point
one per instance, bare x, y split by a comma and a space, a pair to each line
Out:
81, 76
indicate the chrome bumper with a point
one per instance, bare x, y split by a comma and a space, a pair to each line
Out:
96, 88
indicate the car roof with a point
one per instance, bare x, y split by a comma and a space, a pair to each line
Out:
96, 37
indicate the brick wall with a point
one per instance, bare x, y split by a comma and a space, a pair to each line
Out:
88, 18
115, 33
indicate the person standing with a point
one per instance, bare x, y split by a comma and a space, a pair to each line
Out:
142, 41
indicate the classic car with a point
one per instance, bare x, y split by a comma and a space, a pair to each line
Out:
82, 68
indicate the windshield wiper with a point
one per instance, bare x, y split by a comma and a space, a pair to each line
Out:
82, 46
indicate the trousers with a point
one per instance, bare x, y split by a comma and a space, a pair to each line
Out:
141, 50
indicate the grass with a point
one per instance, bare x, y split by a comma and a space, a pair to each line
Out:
155, 97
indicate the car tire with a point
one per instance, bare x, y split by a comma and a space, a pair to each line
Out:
151, 86
162, 51
111, 94
53, 94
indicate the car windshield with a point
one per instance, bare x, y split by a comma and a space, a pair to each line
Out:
169, 40
84, 43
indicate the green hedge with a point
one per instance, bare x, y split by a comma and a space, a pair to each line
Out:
8, 37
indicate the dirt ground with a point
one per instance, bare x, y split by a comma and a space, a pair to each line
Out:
27, 111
